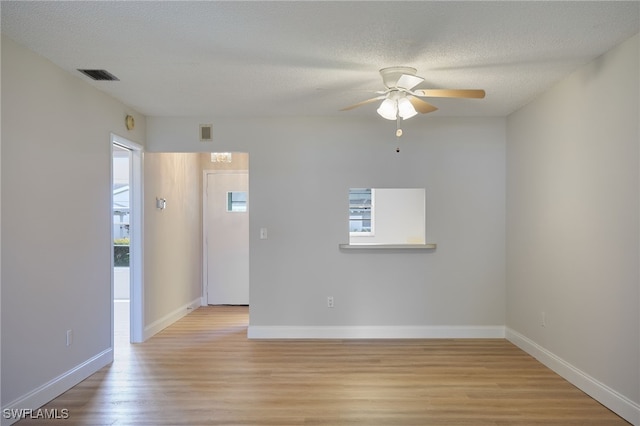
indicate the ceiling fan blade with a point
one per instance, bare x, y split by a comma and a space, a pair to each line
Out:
451, 93
420, 105
408, 81
368, 101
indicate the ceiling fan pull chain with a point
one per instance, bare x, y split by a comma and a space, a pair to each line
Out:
398, 133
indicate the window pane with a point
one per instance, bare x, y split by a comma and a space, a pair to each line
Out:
237, 201
360, 210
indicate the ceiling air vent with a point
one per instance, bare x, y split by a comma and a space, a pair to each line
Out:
102, 75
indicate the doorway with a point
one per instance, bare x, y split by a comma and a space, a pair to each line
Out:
226, 236
126, 202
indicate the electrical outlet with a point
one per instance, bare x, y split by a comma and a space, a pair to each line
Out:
330, 302
69, 337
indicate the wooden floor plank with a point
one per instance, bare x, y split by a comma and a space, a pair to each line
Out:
203, 370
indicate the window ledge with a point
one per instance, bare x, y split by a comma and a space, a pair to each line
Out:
366, 246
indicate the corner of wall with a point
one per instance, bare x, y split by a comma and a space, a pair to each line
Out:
608, 397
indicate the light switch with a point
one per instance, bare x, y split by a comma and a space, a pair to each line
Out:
263, 233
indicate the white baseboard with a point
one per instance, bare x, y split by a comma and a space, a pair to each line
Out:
608, 397
57, 386
375, 332
164, 322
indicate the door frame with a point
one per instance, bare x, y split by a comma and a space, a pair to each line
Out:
136, 290
205, 230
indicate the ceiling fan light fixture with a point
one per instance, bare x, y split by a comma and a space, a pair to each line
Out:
401, 99
406, 109
388, 109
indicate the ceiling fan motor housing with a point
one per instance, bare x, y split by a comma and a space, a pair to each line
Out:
391, 75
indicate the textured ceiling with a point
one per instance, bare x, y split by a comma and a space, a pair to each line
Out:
313, 58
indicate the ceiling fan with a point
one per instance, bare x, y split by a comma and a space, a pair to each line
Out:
400, 100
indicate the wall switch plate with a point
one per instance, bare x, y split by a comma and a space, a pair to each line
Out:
161, 203
263, 233
69, 337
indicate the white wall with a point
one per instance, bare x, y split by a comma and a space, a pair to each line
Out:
573, 235
172, 238
56, 160
301, 171
56, 225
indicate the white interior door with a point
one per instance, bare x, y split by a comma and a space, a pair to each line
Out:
227, 238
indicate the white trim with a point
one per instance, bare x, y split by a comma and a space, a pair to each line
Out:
137, 249
205, 242
57, 386
616, 402
164, 322
375, 332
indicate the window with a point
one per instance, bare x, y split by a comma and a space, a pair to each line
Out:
387, 216
237, 201
360, 211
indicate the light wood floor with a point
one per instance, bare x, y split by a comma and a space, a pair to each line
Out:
203, 371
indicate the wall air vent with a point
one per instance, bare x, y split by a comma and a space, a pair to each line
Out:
206, 132
101, 75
